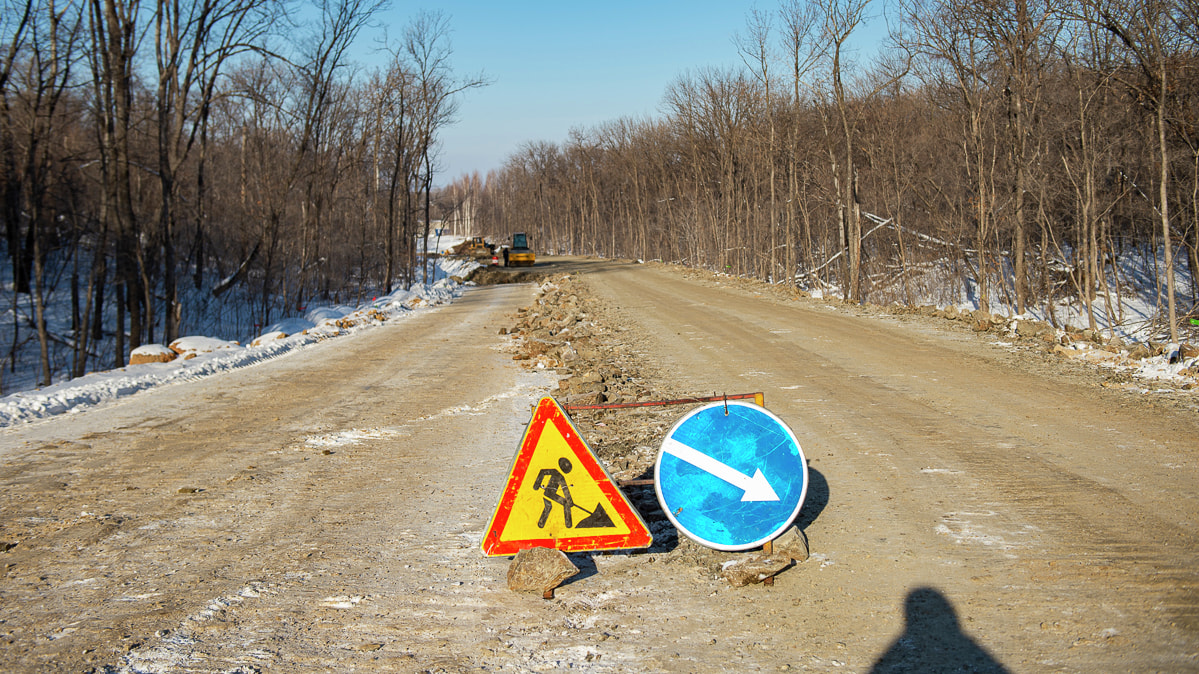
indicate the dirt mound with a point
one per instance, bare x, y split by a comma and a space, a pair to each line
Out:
490, 276
572, 332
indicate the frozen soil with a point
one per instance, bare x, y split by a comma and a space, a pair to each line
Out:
972, 507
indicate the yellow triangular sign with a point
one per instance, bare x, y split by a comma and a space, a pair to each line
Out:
559, 496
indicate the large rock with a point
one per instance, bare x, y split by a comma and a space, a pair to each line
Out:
589, 353
754, 568
793, 543
539, 570
151, 353
1030, 329
1139, 352
594, 398
591, 378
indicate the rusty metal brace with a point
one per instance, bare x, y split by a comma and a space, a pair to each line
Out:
759, 399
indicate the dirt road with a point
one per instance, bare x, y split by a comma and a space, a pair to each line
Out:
323, 511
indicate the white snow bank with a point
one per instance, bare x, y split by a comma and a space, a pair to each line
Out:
291, 326
201, 344
459, 268
265, 338
206, 356
152, 350
322, 314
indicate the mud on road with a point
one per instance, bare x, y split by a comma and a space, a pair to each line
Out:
969, 507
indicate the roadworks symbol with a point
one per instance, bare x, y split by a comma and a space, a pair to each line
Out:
554, 488
559, 496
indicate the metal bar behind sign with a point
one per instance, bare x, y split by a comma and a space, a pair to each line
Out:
759, 400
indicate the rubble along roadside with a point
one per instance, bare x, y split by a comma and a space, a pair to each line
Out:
568, 330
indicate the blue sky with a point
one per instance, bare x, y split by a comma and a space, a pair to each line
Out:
560, 65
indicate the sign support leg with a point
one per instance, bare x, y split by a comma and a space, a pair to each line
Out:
768, 548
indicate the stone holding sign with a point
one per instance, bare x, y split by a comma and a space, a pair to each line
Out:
539, 570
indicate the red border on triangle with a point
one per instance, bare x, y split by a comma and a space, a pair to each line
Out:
549, 412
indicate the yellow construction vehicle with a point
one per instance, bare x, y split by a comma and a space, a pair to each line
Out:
518, 254
478, 248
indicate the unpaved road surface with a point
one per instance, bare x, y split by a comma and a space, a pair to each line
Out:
970, 508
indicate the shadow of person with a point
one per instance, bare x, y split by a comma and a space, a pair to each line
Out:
932, 640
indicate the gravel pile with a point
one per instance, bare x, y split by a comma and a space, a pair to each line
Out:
570, 331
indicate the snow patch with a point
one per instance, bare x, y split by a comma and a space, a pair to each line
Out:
290, 326
342, 601
200, 344
152, 350
965, 532
204, 356
171, 654
346, 438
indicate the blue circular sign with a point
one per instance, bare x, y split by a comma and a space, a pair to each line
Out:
731, 476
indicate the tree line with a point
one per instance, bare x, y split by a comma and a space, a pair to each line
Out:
1018, 149
161, 159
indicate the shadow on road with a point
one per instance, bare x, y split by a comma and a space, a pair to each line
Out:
932, 640
586, 564
645, 500
814, 500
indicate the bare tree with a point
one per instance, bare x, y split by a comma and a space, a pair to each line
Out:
395, 120
958, 66
839, 20
113, 31
427, 44
1147, 30
192, 43
756, 53
1020, 34
52, 51
15, 18
803, 49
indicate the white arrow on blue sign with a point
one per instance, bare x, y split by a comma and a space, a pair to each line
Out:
731, 481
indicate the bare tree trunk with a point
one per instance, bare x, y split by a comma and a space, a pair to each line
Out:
95, 284
1164, 202
39, 304
428, 186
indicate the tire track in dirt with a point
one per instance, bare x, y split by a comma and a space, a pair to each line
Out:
1050, 546
216, 490
950, 446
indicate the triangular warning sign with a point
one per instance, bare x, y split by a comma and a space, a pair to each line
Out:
559, 496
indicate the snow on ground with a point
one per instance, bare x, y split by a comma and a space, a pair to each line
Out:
1132, 308
1134, 316
199, 356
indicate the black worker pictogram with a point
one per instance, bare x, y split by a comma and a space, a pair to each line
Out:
552, 484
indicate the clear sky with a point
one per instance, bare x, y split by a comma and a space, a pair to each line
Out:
564, 64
